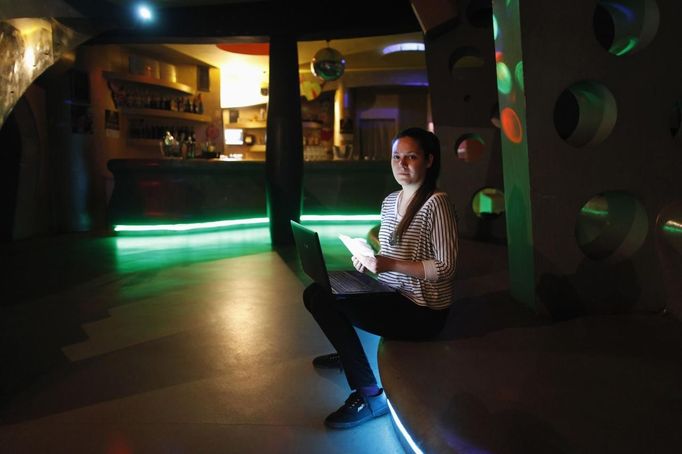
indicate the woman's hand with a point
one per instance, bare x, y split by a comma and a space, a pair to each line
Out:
358, 264
376, 264
382, 264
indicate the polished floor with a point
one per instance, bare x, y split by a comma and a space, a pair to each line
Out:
172, 344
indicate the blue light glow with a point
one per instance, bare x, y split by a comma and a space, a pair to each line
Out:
403, 47
624, 10
144, 12
403, 431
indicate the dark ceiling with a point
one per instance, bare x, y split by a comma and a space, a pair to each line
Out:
196, 21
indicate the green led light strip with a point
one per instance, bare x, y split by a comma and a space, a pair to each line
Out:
189, 227
340, 217
243, 222
673, 227
594, 212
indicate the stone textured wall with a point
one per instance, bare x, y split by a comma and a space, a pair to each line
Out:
27, 48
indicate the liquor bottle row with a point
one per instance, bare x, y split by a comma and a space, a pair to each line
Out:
145, 99
139, 129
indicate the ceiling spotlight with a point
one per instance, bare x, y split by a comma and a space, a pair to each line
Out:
144, 13
403, 47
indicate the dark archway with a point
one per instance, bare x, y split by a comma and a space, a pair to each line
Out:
10, 160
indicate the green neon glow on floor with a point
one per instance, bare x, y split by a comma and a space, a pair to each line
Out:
242, 222
155, 251
340, 217
189, 227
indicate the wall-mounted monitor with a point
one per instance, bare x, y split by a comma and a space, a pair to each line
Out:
234, 136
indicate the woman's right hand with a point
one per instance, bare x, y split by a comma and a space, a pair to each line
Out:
358, 265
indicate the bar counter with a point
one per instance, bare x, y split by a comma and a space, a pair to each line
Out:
151, 191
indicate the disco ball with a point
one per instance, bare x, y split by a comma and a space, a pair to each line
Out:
328, 64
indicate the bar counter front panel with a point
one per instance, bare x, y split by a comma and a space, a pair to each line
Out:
160, 191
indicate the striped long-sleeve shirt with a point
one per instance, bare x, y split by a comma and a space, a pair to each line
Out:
430, 238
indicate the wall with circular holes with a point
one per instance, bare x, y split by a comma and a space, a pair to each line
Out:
461, 69
601, 130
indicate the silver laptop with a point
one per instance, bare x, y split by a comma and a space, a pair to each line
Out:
337, 282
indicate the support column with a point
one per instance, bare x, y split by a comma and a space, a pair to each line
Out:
284, 146
339, 113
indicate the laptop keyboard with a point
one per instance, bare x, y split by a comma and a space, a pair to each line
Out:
343, 282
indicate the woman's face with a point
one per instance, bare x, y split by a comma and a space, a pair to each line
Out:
408, 162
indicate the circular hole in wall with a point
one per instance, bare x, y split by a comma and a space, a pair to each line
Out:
585, 114
470, 147
464, 58
611, 226
480, 13
488, 203
669, 223
625, 26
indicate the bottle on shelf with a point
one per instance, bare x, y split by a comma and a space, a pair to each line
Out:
198, 104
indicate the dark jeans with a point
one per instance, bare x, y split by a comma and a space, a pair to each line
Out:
389, 315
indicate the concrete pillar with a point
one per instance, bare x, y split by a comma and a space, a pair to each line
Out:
284, 147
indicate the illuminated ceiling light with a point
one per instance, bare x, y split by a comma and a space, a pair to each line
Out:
144, 13
403, 47
241, 82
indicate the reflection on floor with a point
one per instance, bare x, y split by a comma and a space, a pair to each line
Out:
191, 343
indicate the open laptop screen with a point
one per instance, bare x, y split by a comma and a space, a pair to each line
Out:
310, 253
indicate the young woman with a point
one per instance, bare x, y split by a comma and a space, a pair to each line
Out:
418, 251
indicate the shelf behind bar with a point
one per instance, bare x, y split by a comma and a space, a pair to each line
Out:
146, 80
159, 113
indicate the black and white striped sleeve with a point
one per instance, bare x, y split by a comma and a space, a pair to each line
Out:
443, 240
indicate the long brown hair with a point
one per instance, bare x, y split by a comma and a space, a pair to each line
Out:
430, 145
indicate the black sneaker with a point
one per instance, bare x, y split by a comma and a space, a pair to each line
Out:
330, 361
358, 409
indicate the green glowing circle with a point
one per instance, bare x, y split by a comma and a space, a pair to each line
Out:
518, 72
504, 78
495, 29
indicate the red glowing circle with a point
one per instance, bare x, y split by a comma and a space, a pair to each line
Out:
511, 125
